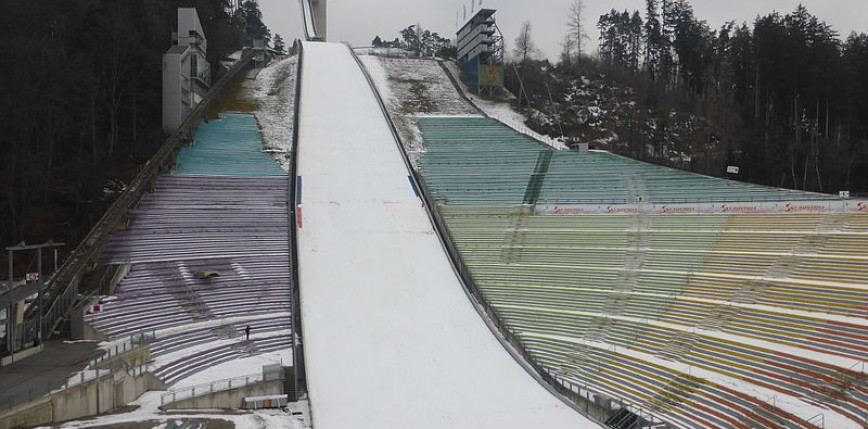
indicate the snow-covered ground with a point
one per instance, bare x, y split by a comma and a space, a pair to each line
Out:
391, 339
412, 88
420, 87
502, 111
269, 93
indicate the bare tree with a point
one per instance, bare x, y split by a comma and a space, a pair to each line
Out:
576, 26
568, 46
525, 49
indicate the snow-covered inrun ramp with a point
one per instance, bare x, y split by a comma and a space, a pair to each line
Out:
391, 339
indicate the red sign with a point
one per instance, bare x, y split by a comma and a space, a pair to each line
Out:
32, 277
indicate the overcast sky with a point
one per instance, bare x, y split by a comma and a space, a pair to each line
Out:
358, 21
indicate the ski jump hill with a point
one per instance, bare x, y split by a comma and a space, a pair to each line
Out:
391, 338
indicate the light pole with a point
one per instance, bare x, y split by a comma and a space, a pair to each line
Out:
10, 320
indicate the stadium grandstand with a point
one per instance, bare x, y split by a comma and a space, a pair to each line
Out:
208, 257
684, 300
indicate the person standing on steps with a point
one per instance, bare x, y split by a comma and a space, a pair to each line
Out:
247, 331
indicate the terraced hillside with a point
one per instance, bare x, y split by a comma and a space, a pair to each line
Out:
709, 316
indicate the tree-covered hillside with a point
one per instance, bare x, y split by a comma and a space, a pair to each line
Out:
784, 98
80, 103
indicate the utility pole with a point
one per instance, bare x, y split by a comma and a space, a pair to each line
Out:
10, 319
39, 286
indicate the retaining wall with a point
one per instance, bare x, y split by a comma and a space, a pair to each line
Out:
228, 398
98, 396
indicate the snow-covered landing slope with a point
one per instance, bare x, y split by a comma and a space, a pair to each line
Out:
391, 340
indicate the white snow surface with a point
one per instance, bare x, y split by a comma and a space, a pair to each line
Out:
391, 339
236, 368
412, 88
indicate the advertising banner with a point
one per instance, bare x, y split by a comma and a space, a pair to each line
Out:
490, 75
706, 208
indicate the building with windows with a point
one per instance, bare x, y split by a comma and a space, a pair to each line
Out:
480, 51
186, 73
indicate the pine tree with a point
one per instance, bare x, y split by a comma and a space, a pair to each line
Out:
653, 38
279, 45
254, 28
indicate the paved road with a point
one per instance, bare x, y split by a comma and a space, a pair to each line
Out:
57, 362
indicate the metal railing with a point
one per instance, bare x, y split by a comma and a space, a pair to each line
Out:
191, 392
135, 342
527, 131
63, 286
298, 330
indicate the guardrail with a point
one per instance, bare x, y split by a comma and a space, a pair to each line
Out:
191, 392
63, 286
135, 342
297, 328
528, 132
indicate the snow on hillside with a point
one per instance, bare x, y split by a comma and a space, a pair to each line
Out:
411, 88
269, 94
503, 111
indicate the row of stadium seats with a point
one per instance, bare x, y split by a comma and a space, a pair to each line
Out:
476, 161
680, 399
621, 305
209, 256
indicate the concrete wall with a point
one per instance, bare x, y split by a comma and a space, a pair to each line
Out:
134, 357
31, 414
8, 360
173, 109
99, 396
229, 398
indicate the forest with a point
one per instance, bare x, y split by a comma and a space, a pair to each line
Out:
81, 106
784, 98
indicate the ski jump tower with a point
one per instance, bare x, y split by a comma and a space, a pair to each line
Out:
315, 15
320, 14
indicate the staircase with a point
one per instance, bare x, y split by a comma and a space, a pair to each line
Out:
513, 247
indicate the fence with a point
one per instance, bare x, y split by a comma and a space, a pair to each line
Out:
524, 129
300, 380
176, 395
134, 342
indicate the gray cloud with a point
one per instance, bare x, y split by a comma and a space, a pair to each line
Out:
359, 21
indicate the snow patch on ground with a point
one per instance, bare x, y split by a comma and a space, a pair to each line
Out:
270, 95
148, 411
503, 112
412, 88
